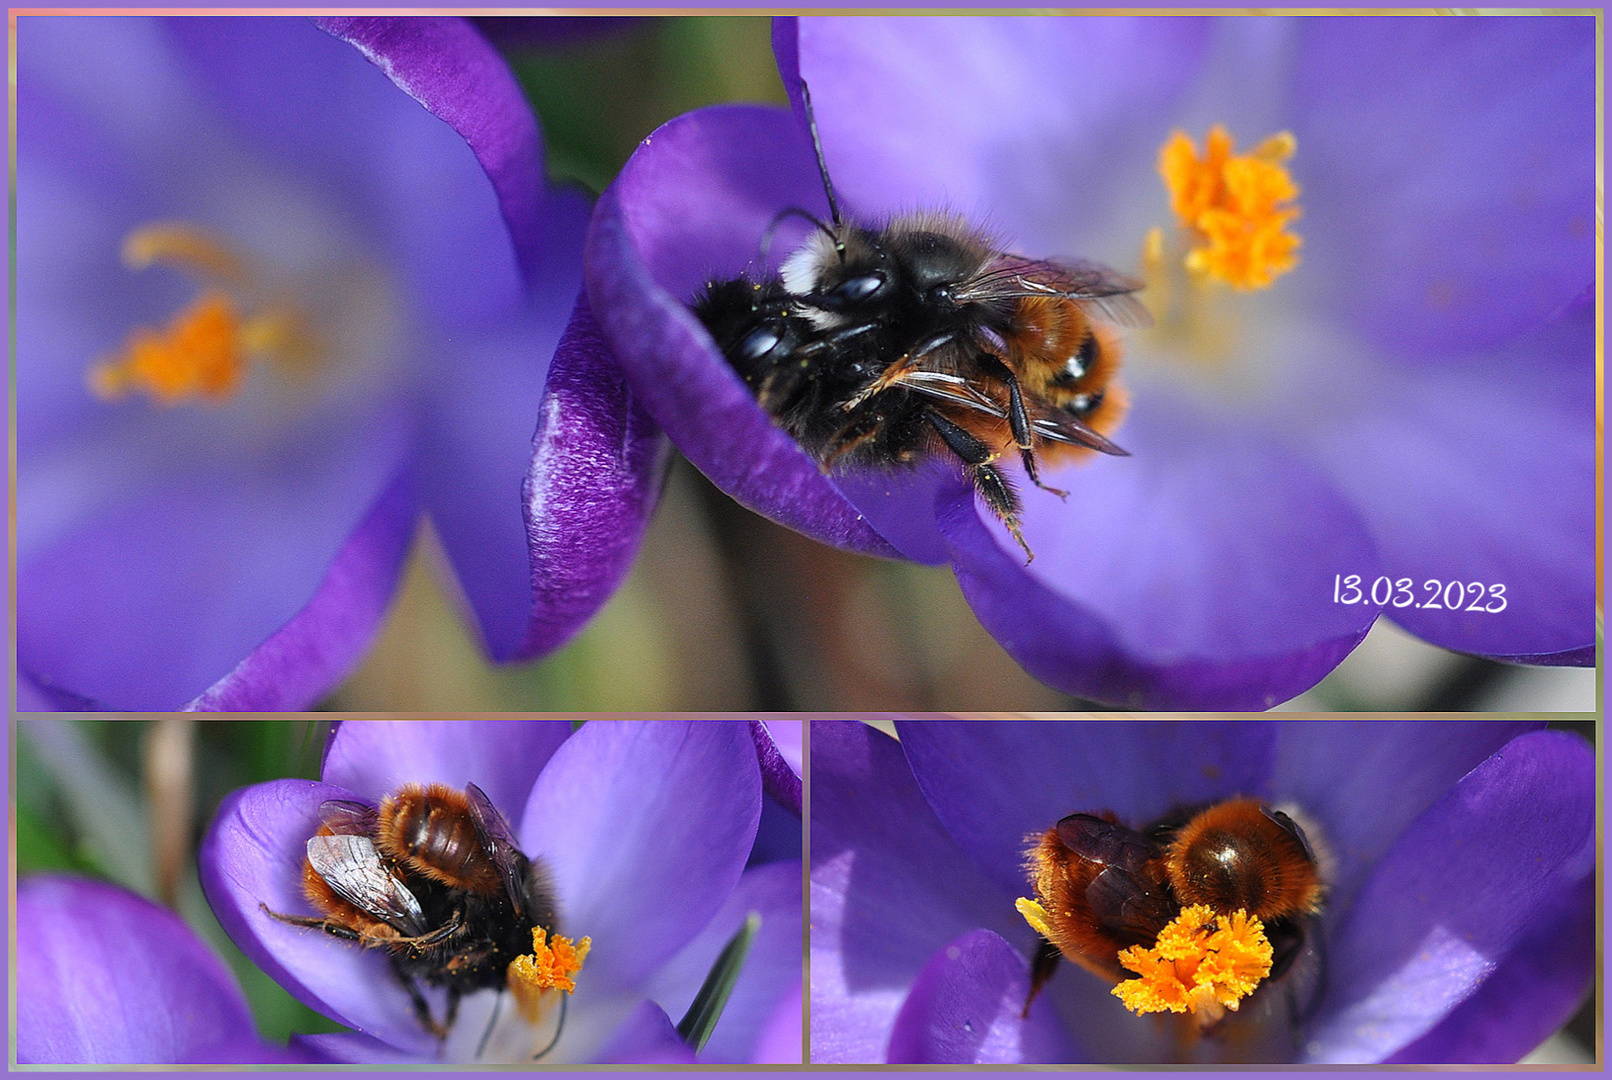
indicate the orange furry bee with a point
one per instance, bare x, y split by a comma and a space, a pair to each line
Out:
433, 877
881, 346
1105, 887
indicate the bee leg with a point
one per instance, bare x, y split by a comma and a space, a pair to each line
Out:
848, 438
453, 1009
333, 929
900, 369
889, 377
993, 487
1042, 966
423, 942
779, 385
1019, 421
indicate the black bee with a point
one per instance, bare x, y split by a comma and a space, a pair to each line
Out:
881, 346
434, 878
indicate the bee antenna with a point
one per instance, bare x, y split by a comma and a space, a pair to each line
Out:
822, 168
788, 212
564, 997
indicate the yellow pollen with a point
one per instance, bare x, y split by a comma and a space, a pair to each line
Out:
551, 965
202, 354
1236, 207
1202, 963
1035, 915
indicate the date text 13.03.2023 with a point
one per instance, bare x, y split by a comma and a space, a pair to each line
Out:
1402, 593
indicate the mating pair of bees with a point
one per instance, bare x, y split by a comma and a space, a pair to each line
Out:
435, 879
883, 346
1106, 887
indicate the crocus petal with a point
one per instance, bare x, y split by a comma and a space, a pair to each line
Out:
352, 1047
1531, 994
647, 1038
157, 547
373, 758
596, 469
238, 1051
1449, 171
1153, 588
1334, 771
645, 828
1035, 88
106, 977
252, 858
693, 202
782, 1040
876, 849
964, 1009
1440, 910
994, 784
156, 604
451, 69
790, 738
779, 775
772, 969
1497, 516
322, 642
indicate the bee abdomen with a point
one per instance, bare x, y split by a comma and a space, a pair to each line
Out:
431, 832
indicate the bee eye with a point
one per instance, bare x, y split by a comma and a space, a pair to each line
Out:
855, 290
758, 343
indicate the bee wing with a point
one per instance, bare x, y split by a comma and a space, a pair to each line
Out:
353, 868
1057, 425
1054, 425
498, 840
1107, 843
1126, 896
346, 817
1129, 903
955, 389
1101, 290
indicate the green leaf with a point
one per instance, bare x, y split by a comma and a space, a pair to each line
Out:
697, 1024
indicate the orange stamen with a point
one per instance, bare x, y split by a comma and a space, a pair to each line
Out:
1235, 207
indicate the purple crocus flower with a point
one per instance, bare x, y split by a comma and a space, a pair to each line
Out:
105, 977
644, 827
269, 308
1402, 423
1458, 924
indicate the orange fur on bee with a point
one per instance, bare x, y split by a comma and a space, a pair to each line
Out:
430, 830
1046, 332
1233, 856
1060, 878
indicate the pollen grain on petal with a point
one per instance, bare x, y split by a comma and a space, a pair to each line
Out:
1235, 207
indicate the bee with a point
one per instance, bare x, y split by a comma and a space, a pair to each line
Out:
923, 336
1105, 887
435, 879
